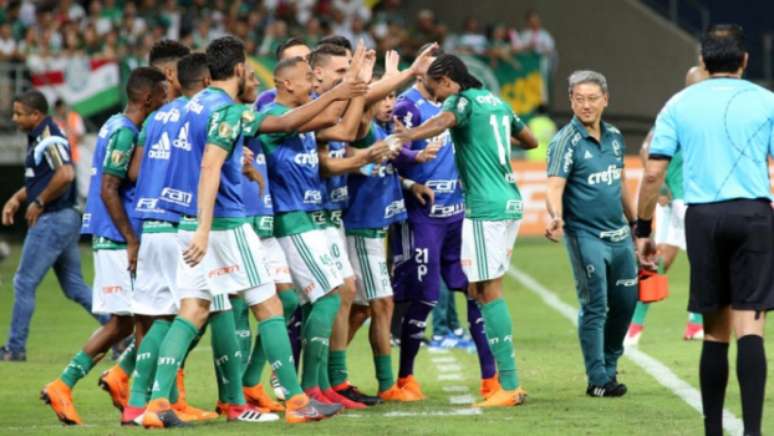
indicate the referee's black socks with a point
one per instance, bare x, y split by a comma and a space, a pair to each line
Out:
751, 372
713, 378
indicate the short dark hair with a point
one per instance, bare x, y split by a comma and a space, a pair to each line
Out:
290, 42
191, 69
141, 80
286, 64
324, 51
723, 48
33, 99
167, 50
223, 54
452, 67
341, 41
58, 103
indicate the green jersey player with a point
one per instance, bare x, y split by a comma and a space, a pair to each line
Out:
482, 127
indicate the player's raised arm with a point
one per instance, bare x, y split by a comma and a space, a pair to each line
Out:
432, 127
393, 79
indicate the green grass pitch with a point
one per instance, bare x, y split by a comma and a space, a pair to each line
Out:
548, 357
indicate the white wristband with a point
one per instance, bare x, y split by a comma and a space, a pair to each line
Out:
407, 183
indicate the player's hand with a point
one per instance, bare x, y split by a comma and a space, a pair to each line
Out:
196, 249
367, 71
428, 153
349, 88
132, 252
9, 210
555, 229
423, 194
33, 213
391, 62
356, 64
663, 200
646, 253
400, 131
423, 61
247, 157
380, 152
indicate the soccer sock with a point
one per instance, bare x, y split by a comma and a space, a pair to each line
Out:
195, 342
145, 368
499, 330
751, 372
337, 367
640, 311
411, 334
290, 302
477, 327
77, 369
695, 318
324, 380
242, 323
172, 351
252, 375
227, 357
383, 367
713, 378
276, 346
128, 358
317, 332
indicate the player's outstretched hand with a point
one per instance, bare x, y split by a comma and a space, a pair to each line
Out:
195, 251
400, 131
367, 71
423, 194
247, 157
428, 153
9, 210
555, 229
391, 62
356, 64
646, 253
349, 88
423, 61
380, 152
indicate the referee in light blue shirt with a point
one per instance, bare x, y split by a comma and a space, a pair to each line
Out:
725, 129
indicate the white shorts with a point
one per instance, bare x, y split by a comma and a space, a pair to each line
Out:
670, 224
338, 242
112, 290
372, 276
276, 261
154, 287
311, 265
487, 247
233, 264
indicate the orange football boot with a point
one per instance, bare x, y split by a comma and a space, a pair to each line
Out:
394, 393
258, 397
115, 382
503, 398
489, 386
410, 383
59, 396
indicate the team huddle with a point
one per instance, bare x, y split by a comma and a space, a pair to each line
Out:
315, 206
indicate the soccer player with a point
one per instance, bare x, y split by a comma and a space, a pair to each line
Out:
292, 48
670, 230
50, 193
427, 246
115, 243
482, 127
587, 200
213, 246
723, 128
296, 189
147, 299
155, 296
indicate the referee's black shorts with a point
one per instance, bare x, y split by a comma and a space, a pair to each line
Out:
731, 252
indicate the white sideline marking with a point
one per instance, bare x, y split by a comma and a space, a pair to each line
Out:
453, 412
450, 367
438, 350
462, 399
450, 377
652, 366
443, 359
456, 389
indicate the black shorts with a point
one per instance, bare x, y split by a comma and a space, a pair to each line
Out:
731, 252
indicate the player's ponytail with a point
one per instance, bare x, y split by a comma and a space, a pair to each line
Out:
452, 67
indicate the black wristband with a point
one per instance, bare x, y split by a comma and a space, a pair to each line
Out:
644, 228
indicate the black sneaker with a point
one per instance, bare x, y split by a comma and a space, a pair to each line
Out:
326, 410
353, 393
8, 355
611, 389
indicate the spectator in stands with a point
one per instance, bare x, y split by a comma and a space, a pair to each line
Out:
500, 48
7, 43
536, 39
71, 124
472, 40
312, 31
359, 32
101, 23
426, 31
